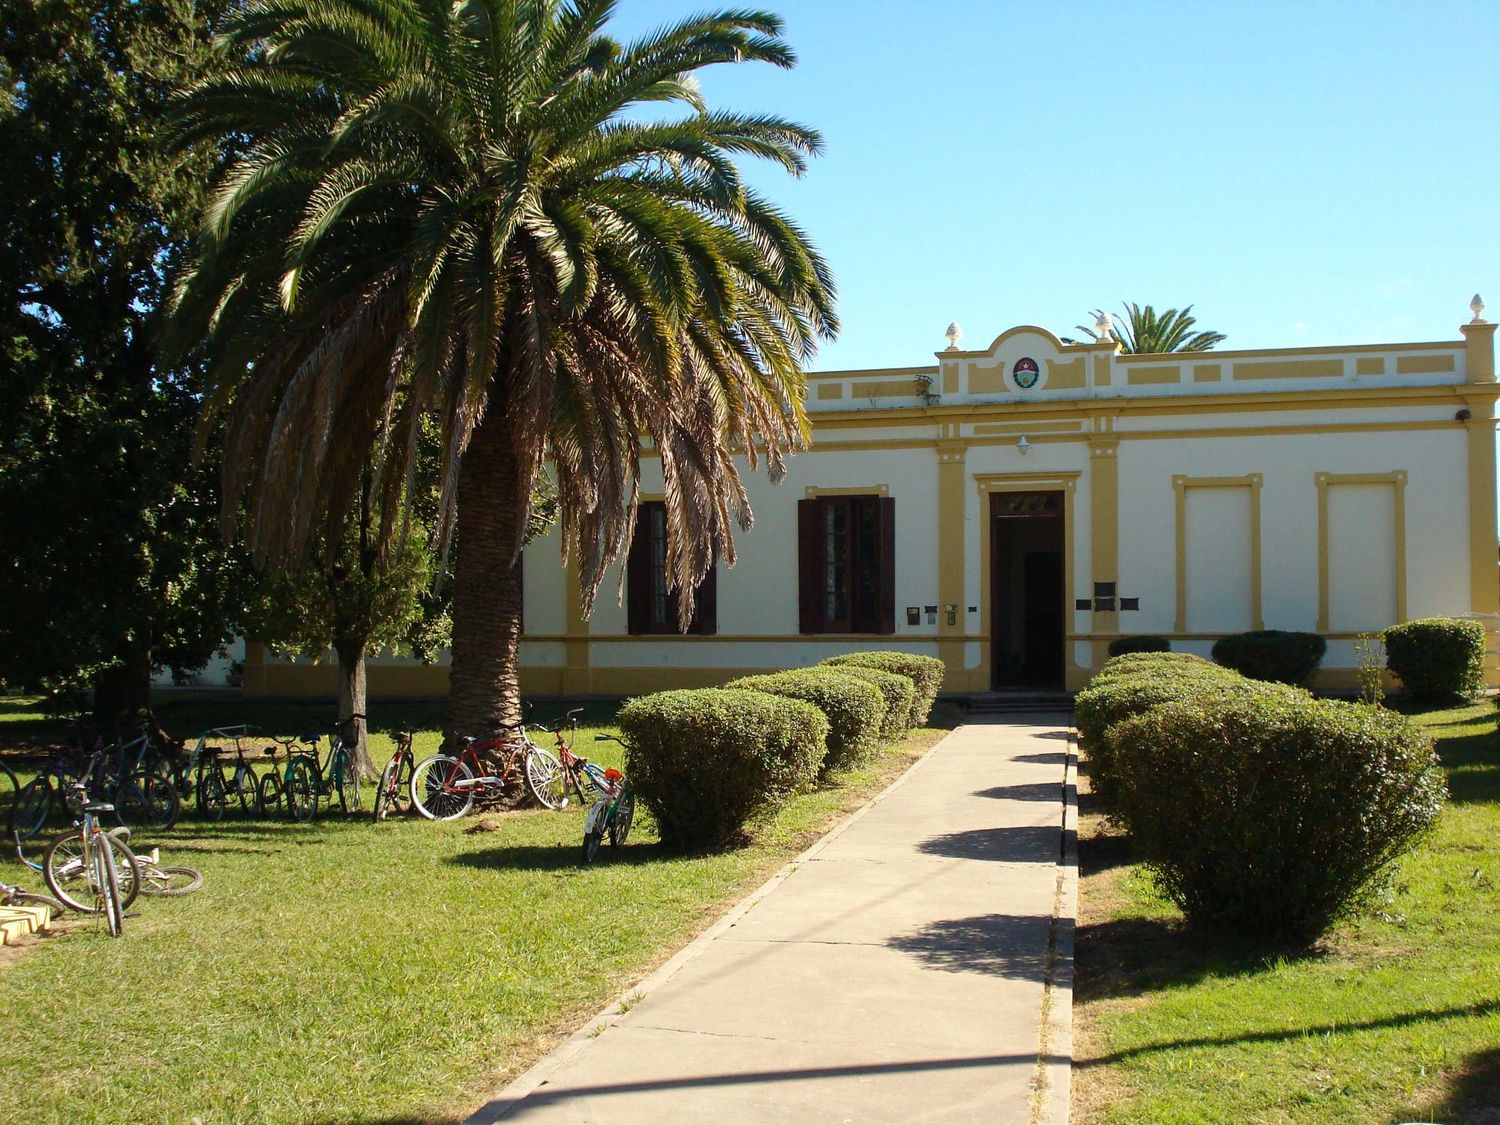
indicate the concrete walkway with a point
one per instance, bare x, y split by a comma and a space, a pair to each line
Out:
913, 966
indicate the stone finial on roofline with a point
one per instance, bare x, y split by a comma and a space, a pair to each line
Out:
1104, 328
954, 333
1476, 306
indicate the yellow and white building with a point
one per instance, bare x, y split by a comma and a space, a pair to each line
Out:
1012, 509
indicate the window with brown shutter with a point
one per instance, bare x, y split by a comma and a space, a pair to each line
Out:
847, 564
650, 606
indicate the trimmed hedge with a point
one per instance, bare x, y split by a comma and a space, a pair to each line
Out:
1145, 642
1269, 812
1271, 654
926, 672
897, 690
705, 762
1437, 658
1110, 700
1138, 661
854, 708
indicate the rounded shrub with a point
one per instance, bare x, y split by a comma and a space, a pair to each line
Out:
1132, 662
1271, 654
897, 690
926, 672
854, 708
1437, 658
1144, 642
1109, 701
705, 762
1270, 813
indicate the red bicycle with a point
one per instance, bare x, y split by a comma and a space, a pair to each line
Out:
550, 773
444, 787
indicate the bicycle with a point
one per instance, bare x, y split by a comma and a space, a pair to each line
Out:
550, 772
167, 882
393, 790
12, 894
309, 778
90, 870
444, 787
141, 788
213, 784
613, 812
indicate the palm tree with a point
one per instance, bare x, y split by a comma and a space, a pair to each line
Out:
1142, 330
459, 211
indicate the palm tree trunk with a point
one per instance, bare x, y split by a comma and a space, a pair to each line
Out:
351, 654
484, 691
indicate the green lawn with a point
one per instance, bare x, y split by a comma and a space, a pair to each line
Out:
1395, 1017
349, 971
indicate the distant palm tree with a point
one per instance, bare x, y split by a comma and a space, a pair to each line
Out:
454, 209
1141, 330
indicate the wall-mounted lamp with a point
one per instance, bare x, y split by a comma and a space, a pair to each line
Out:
1023, 445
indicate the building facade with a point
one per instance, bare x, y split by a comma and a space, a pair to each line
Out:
1013, 509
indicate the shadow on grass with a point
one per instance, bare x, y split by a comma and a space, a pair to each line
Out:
1134, 956
1473, 764
1474, 1092
1485, 1073
1005, 945
559, 857
1104, 851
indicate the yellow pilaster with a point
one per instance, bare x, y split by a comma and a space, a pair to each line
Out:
951, 452
253, 679
1104, 532
577, 676
1484, 584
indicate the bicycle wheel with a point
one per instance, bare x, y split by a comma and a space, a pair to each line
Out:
26, 898
301, 790
148, 798
619, 825
546, 779
70, 878
244, 789
29, 813
107, 860
591, 841
169, 881
346, 781
391, 791
268, 795
211, 794
442, 788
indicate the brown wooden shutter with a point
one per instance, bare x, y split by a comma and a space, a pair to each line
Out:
809, 565
638, 577
706, 606
886, 537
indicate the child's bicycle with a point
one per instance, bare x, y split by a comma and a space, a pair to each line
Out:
613, 811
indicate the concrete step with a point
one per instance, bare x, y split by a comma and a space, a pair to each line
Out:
1016, 702
18, 920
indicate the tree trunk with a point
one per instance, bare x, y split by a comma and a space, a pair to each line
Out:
125, 687
484, 691
351, 654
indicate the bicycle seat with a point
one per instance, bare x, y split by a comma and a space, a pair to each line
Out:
468, 739
310, 738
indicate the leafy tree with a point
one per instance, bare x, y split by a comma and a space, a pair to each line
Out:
1142, 330
457, 211
111, 563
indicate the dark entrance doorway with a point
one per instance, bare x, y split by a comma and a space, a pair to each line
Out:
1026, 591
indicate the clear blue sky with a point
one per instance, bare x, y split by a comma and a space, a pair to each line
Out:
1301, 174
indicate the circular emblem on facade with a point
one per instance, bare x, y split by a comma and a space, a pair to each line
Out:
1025, 373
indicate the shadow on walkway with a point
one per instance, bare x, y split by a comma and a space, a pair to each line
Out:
1016, 844
1004, 945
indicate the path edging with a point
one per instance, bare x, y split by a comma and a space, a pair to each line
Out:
1053, 1105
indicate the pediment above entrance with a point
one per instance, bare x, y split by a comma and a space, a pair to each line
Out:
1022, 362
